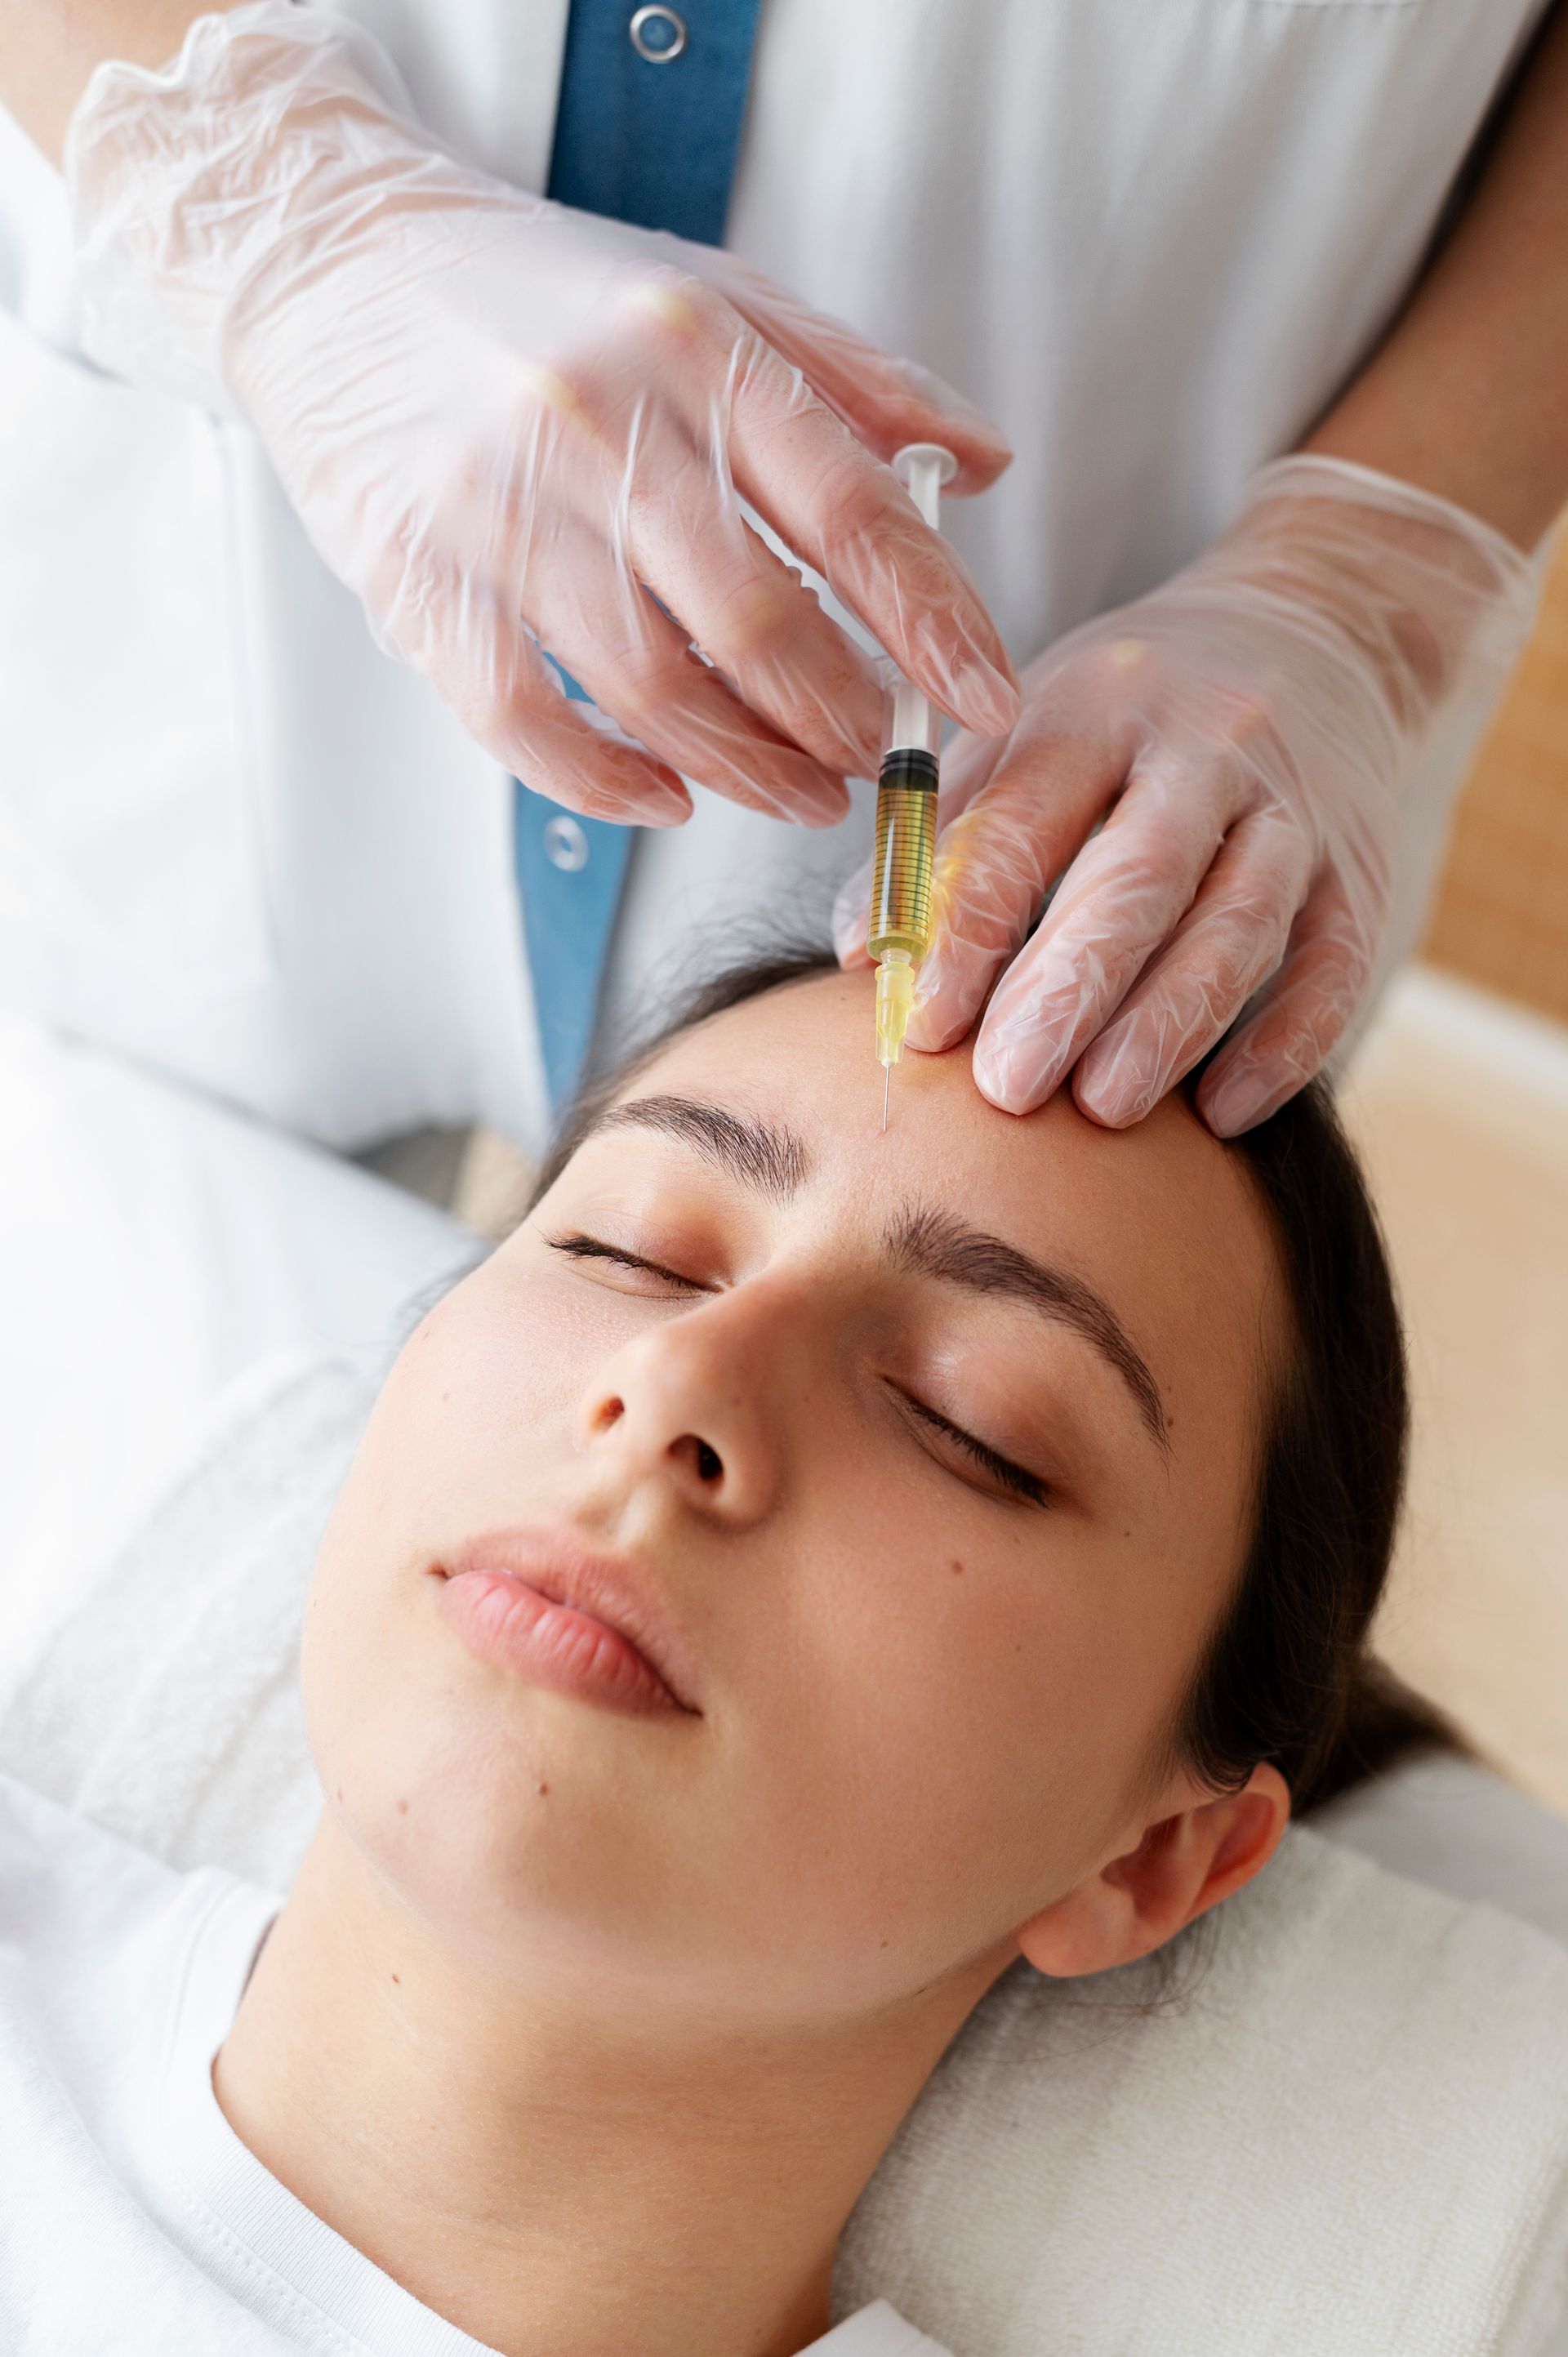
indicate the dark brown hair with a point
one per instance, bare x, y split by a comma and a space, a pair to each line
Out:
1288, 1677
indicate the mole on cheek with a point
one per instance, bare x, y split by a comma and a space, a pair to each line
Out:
402, 1808
956, 1567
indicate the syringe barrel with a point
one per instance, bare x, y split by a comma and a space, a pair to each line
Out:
905, 853
906, 789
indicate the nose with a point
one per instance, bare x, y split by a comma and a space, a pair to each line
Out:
688, 1405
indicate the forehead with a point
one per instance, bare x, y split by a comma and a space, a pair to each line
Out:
1161, 1218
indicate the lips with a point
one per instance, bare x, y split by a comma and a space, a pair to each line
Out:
559, 1615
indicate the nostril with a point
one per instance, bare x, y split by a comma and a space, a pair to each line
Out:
608, 1411
693, 1452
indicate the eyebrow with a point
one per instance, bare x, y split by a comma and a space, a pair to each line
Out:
769, 1159
758, 1153
928, 1243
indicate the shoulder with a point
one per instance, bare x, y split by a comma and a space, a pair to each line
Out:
55, 1860
94, 1931
98, 1941
62, 1878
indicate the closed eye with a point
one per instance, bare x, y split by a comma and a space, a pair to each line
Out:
1013, 1479
578, 1246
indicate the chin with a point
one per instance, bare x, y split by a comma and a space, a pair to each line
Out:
515, 1833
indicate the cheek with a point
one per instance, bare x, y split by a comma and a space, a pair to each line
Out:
478, 1396
454, 1445
986, 1709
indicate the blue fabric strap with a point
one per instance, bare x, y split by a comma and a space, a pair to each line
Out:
653, 140
570, 874
647, 130
570, 871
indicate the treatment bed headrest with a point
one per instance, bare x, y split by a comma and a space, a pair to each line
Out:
1337, 2124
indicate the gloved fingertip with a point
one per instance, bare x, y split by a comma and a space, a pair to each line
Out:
977, 442
925, 1031
1001, 1082
1115, 1085
636, 790
817, 811
990, 449
940, 1018
988, 701
1111, 1104
657, 810
1233, 1101
1002, 1100
982, 455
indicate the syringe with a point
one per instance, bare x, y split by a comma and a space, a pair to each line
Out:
900, 929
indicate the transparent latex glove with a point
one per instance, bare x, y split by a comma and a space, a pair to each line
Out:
1239, 739
510, 426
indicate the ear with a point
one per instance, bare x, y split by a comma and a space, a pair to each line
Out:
1185, 1864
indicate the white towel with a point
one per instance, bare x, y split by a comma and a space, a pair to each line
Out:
1349, 2136
167, 1706
1333, 2124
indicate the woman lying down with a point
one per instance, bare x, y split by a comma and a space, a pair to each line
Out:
798, 1573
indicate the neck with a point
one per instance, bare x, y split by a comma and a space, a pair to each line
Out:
548, 2172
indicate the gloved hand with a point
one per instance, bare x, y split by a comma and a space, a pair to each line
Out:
508, 426
1240, 738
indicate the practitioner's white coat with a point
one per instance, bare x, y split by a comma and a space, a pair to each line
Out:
1152, 237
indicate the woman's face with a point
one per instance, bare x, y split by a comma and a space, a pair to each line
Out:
914, 1470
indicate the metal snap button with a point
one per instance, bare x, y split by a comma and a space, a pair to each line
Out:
565, 845
658, 35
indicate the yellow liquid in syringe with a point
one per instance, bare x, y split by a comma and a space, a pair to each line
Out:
900, 930
900, 933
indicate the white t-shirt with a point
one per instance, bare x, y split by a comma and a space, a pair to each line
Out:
133, 2220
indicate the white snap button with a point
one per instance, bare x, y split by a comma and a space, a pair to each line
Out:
658, 35
565, 845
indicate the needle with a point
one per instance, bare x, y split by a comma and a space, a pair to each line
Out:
886, 1091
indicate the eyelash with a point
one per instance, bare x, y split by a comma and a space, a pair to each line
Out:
582, 1247
1007, 1476
1018, 1483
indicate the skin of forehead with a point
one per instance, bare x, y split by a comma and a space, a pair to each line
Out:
1161, 1218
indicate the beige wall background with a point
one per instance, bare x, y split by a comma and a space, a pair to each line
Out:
1459, 1099
1502, 915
